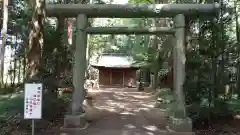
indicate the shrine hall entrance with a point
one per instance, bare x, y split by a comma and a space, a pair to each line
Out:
117, 78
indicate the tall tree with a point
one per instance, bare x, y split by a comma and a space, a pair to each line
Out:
35, 38
4, 39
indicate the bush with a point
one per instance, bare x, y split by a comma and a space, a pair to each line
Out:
11, 112
165, 99
7, 90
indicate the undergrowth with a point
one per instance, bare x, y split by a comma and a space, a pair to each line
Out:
202, 114
11, 114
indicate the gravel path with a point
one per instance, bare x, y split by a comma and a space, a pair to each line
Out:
126, 114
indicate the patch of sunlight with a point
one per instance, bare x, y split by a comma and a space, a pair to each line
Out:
128, 110
117, 97
104, 106
149, 133
112, 103
121, 107
127, 113
109, 100
112, 110
126, 92
94, 91
148, 105
143, 109
237, 117
151, 128
130, 126
140, 96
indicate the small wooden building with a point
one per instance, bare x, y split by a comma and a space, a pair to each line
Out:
116, 70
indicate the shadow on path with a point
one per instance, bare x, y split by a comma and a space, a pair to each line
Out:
128, 113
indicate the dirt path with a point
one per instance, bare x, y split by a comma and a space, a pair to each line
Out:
128, 113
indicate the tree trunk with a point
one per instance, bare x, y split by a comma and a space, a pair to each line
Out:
154, 47
87, 72
58, 50
11, 69
157, 22
19, 70
214, 68
15, 63
24, 61
237, 24
238, 42
4, 39
36, 40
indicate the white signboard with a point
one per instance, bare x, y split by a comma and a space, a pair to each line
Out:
33, 101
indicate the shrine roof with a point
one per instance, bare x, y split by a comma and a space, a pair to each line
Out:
114, 61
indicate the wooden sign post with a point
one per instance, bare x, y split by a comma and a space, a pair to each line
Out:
33, 102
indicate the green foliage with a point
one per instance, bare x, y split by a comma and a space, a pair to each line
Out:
234, 105
11, 112
212, 54
6, 106
166, 99
141, 1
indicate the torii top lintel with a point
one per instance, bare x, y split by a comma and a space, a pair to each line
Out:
130, 11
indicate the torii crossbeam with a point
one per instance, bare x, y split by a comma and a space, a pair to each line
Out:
130, 11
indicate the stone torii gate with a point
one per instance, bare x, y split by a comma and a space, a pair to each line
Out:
84, 11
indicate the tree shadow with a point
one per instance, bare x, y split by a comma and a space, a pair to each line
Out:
129, 112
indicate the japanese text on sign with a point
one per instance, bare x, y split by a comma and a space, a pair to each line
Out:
33, 101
